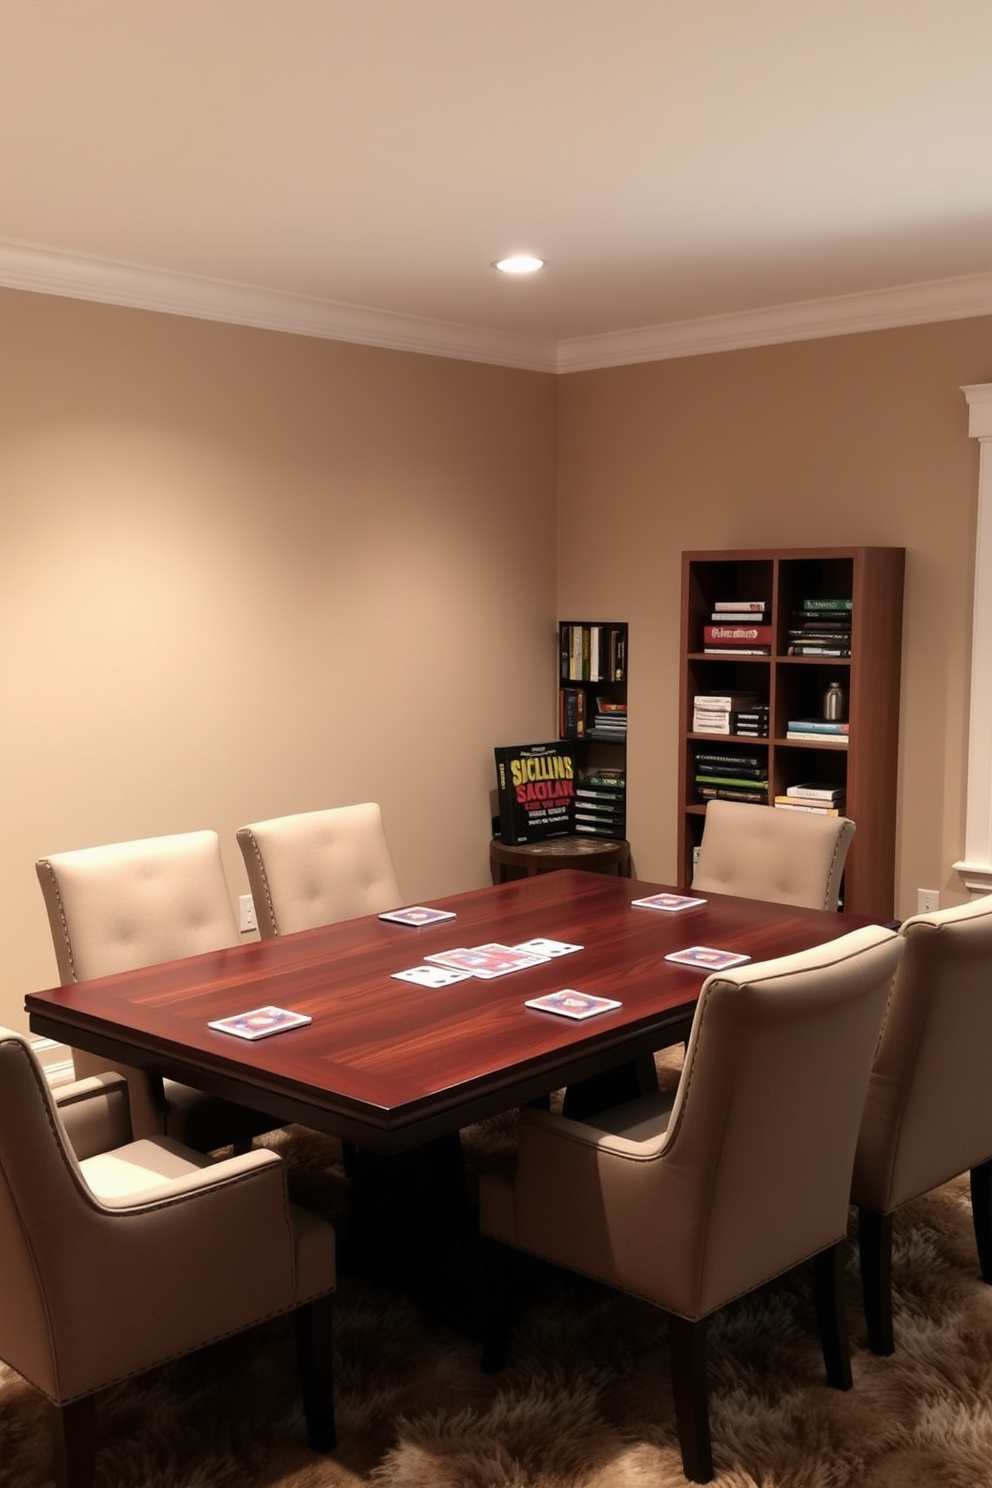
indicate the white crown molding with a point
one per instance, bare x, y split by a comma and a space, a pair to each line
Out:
910, 304
979, 396
47, 271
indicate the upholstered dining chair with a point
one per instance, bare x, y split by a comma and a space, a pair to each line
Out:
765, 852
318, 867
119, 1254
928, 1114
693, 1198
133, 904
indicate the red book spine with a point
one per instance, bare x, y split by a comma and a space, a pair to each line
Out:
737, 635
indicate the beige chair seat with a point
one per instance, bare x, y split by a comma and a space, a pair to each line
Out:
119, 1255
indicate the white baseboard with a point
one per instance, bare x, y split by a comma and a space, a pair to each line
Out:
55, 1059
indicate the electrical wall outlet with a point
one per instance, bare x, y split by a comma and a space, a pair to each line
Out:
927, 900
246, 905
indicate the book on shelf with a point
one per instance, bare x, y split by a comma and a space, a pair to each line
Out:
752, 606
599, 795
814, 623
809, 736
737, 650
805, 638
614, 798
740, 617
608, 826
598, 829
729, 724
603, 826
725, 764
820, 808
819, 725
612, 720
814, 790
606, 778
571, 713
811, 603
732, 775
725, 702
752, 794
753, 718
747, 635
741, 779
536, 791
719, 721
592, 653
816, 648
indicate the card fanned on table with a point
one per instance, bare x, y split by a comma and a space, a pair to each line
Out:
260, 1022
671, 902
543, 948
571, 1004
417, 914
432, 976
487, 960
707, 957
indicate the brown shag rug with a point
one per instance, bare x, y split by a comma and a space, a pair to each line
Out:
585, 1401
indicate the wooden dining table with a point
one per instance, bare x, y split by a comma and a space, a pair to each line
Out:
391, 1065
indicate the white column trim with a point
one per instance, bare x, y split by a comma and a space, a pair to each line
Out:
976, 865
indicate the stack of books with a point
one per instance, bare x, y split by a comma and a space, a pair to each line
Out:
819, 796
738, 628
609, 721
720, 712
600, 808
821, 628
571, 713
817, 731
752, 723
726, 775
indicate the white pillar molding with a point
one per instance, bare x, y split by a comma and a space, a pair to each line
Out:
976, 865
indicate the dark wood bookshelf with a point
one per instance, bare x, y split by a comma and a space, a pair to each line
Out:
794, 685
605, 667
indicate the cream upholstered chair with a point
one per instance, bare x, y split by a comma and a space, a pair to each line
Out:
693, 1198
318, 867
928, 1112
119, 1255
133, 904
764, 852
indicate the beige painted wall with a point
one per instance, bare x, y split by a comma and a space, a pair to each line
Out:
245, 573
851, 440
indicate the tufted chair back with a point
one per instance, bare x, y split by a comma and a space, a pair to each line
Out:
764, 852
319, 867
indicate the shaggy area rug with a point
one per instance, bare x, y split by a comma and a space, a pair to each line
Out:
585, 1401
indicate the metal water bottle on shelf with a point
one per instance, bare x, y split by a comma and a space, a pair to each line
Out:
835, 704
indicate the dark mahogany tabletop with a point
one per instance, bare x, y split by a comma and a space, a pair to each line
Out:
391, 1064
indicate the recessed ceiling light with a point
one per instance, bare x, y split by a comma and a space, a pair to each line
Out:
519, 263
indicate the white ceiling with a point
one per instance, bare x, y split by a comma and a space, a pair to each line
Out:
696, 173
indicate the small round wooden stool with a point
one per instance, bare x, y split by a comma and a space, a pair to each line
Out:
595, 854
